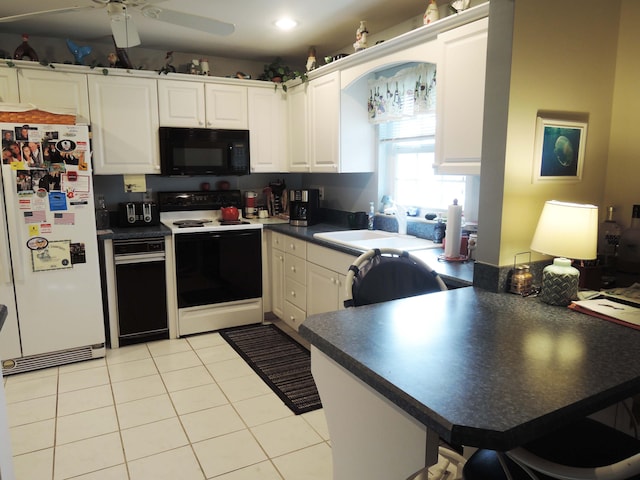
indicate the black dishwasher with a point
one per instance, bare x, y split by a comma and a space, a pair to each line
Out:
141, 290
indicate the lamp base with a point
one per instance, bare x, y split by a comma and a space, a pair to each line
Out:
560, 283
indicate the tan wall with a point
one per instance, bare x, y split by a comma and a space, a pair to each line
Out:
563, 60
623, 169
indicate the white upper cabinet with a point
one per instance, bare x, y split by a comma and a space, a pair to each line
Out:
298, 152
49, 88
226, 106
324, 123
267, 130
9, 85
124, 120
460, 103
329, 129
181, 104
184, 103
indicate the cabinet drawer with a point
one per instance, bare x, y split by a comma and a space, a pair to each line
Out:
295, 268
277, 240
295, 246
328, 258
295, 293
293, 316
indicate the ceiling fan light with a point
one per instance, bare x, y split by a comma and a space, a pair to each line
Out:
151, 11
286, 24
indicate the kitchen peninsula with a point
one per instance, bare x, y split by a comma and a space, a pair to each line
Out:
472, 367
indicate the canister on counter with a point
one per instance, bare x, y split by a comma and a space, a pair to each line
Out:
521, 281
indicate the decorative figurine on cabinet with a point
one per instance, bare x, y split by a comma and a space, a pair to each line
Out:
168, 60
459, 5
25, 51
361, 37
311, 59
432, 14
78, 52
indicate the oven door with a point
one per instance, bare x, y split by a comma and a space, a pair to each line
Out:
218, 266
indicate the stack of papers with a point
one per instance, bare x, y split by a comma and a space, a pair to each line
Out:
610, 308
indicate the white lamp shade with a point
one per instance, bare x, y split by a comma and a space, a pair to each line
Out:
567, 230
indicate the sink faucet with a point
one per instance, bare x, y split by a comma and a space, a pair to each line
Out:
401, 218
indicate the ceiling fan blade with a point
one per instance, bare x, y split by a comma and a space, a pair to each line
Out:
196, 22
125, 33
26, 16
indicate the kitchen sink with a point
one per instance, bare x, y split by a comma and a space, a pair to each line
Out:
368, 239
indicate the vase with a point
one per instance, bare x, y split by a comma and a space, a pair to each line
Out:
431, 14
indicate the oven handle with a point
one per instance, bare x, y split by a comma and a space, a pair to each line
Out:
229, 233
139, 258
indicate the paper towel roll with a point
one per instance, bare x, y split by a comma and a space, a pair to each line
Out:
453, 231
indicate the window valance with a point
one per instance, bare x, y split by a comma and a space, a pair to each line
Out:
409, 92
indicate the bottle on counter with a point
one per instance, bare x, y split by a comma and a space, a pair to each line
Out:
102, 214
608, 239
372, 215
629, 247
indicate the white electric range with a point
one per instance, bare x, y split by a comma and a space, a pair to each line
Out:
216, 267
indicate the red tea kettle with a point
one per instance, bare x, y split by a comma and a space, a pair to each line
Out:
230, 214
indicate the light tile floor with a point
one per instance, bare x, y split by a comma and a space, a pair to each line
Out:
183, 409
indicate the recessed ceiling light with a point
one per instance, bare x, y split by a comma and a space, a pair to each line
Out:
286, 23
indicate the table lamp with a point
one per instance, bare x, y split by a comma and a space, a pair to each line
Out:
568, 231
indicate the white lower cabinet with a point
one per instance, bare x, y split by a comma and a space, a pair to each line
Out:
326, 290
288, 274
306, 278
277, 282
326, 279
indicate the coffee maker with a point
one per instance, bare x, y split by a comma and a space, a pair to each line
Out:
304, 207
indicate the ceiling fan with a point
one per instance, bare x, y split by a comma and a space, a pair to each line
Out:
125, 33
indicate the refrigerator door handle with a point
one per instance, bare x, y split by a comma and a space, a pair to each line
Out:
18, 268
5, 266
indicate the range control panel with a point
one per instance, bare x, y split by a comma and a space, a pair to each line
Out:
201, 200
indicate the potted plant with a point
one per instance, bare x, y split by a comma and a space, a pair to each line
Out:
280, 73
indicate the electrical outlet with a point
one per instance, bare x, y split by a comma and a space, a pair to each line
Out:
320, 191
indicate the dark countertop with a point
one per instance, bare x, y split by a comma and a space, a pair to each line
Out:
455, 274
3, 315
124, 233
483, 369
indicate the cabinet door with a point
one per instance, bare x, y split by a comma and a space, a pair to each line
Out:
298, 153
324, 123
9, 85
323, 286
226, 106
277, 282
267, 129
124, 118
460, 104
49, 88
181, 104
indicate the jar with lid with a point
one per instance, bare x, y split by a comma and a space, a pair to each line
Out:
521, 280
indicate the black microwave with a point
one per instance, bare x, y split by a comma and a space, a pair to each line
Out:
204, 151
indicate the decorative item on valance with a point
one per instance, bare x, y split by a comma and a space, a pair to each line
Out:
410, 92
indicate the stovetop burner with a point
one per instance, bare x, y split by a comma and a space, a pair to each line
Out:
234, 222
190, 223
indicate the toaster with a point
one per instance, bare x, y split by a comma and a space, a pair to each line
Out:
138, 214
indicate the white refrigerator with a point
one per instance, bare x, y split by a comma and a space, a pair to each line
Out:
49, 265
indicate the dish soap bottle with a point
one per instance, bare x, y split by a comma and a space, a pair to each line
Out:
372, 215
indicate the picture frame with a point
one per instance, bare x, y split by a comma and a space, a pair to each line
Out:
559, 150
